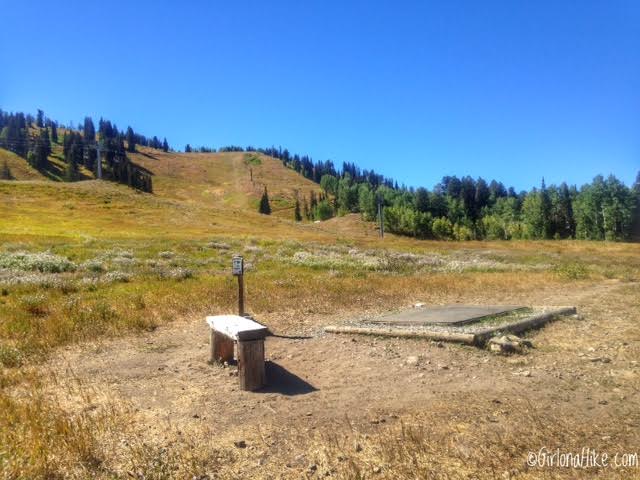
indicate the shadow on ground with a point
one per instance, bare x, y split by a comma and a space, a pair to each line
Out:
280, 380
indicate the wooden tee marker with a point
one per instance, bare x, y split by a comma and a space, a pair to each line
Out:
237, 269
249, 336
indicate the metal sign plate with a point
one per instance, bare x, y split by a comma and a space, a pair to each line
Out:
237, 265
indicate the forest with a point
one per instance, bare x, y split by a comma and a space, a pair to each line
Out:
466, 208
457, 208
34, 138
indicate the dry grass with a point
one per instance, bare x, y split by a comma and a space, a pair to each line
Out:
20, 169
142, 260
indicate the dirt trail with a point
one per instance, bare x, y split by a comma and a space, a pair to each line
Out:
166, 377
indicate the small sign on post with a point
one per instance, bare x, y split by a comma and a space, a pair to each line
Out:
237, 265
237, 269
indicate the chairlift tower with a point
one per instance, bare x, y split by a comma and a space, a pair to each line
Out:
381, 215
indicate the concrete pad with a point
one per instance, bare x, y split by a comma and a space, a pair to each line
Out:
444, 315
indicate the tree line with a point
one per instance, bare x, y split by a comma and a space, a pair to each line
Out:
467, 208
33, 137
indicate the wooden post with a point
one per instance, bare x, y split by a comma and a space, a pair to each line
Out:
251, 371
221, 347
241, 295
237, 268
381, 216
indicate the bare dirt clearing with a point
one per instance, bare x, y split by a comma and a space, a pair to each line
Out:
582, 378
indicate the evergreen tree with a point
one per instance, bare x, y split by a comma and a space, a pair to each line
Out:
42, 150
54, 132
265, 208
422, 200
71, 172
187, 148
307, 213
89, 130
617, 209
296, 213
481, 197
40, 119
562, 212
165, 145
131, 140
545, 212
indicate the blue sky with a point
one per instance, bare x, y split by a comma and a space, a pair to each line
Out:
416, 90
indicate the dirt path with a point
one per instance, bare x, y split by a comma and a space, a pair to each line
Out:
585, 367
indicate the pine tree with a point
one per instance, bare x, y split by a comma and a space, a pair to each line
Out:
54, 132
40, 119
545, 207
42, 150
187, 148
265, 208
307, 213
165, 146
296, 213
71, 172
89, 130
131, 140
422, 200
564, 223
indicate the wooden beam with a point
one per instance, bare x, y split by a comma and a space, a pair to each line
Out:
523, 325
251, 372
467, 338
221, 347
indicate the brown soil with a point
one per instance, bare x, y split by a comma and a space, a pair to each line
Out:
583, 368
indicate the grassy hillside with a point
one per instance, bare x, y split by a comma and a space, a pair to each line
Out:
20, 169
84, 261
224, 180
194, 194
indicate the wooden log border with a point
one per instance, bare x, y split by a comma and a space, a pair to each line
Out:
477, 338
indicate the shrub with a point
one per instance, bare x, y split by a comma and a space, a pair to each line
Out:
462, 233
442, 228
95, 266
174, 273
43, 262
324, 211
494, 228
42, 280
10, 357
36, 304
116, 276
219, 245
572, 271
123, 261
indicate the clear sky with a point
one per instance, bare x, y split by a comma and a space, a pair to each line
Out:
512, 90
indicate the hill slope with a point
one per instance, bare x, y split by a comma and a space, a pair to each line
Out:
20, 169
234, 179
195, 195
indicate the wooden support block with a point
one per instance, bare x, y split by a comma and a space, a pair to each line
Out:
221, 347
251, 371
